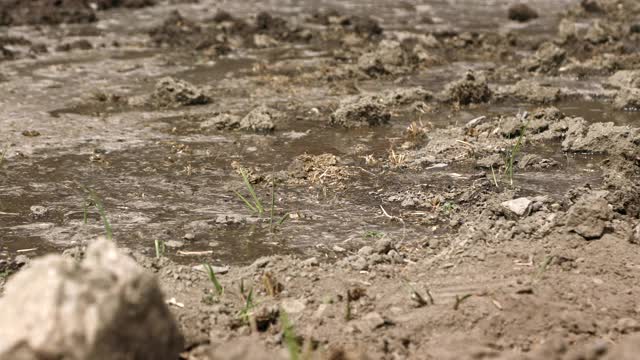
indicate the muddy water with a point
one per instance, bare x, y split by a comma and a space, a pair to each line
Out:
161, 180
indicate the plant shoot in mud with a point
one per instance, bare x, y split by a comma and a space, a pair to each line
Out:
246, 313
214, 280
94, 200
289, 335
3, 155
254, 205
160, 248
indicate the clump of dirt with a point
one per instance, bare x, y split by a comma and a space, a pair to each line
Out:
628, 99
472, 89
389, 57
261, 119
603, 138
314, 169
625, 79
171, 92
108, 4
52, 12
521, 12
75, 45
532, 91
547, 59
221, 121
361, 111
589, 217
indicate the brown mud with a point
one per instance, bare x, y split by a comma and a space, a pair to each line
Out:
439, 179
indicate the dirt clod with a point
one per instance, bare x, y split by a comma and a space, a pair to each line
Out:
171, 92
521, 12
364, 111
472, 89
589, 217
260, 119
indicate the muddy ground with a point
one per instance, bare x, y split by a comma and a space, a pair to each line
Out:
450, 179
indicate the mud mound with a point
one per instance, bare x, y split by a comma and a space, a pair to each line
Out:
364, 111
472, 89
521, 13
108, 4
51, 12
548, 58
260, 119
170, 92
389, 57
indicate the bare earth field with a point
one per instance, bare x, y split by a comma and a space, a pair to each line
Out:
431, 179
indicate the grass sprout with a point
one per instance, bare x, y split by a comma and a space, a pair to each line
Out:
460, 300
289, 335
160, 248
3, 155
94, 200
214, 280
255, 205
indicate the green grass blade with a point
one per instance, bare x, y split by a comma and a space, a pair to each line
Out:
246, 202
256, 201
103, 214
282, 219
214, 279
159, 248
289, 336
273, 203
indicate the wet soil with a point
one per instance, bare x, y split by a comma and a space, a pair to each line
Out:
437, 181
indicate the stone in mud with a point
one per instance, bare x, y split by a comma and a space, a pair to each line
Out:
105, 307
472, 89
50, 12
589, 217
625, 79
519, 206
491, 161
548, 58
627, 99
171, 92
364, 111
223, 121
521, 12
533, 161
260, 119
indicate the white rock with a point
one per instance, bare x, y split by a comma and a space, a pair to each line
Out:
106, 307
520, 206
